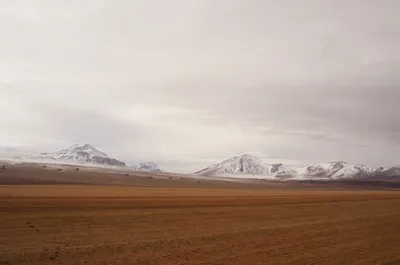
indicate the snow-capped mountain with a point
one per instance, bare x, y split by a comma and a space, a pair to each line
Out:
283, 172
80, 154
393, 172
147, 166
247, 165
334, 170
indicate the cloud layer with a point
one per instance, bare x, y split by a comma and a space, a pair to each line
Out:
185, 83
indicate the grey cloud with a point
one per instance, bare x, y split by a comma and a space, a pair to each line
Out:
363, 110
87, 126
298, 80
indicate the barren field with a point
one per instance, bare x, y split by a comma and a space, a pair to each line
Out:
78, 224
37, 174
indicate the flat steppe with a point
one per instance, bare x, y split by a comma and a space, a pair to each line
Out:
176, 220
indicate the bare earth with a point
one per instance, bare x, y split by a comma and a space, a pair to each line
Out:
214, 224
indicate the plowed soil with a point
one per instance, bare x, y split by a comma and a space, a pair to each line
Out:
59, 224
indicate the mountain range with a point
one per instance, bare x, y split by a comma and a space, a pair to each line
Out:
242, 166
87, 154
249, 166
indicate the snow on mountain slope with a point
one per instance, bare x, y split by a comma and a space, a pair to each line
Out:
80, 154
387, 172
147, 166
334, 170
247, 166
282, 172
244, 164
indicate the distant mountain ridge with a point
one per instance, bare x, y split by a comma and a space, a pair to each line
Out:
335, 170
80, 154
87, 154
249, 166
242, 166
388, 173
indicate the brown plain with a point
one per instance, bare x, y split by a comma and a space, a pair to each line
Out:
96, 224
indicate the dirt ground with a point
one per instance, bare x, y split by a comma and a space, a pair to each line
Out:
39, 174
82, 224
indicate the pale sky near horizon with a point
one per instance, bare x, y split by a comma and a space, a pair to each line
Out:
186, 83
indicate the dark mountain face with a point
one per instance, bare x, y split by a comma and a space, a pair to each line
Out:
106, 161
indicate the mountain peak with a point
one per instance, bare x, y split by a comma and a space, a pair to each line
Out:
81, 153
245, 158
246, 155
83, 146
244, 164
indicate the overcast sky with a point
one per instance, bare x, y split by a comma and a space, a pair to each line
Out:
186, 83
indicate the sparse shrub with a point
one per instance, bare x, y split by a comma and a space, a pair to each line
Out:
3, 167
77, 169
59, 169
